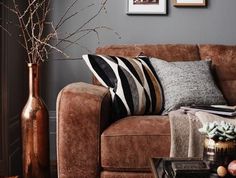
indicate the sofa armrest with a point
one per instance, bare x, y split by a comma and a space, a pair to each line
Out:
83, 111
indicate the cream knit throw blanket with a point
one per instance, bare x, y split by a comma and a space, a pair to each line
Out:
186, 141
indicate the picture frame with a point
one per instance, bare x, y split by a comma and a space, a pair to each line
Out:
189, 3
146, 7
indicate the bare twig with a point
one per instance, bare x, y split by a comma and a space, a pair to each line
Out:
63, 16
22, 27
5, 30
88, 31
10, 34
69, 17
8, 8
37, 33
28, 8
85, 23
51, 46
77, 44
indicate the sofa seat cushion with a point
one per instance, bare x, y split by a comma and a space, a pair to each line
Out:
128, 143
108, 174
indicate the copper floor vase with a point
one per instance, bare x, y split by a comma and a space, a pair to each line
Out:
35, 131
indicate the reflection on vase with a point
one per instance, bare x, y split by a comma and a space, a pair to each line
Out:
35, 131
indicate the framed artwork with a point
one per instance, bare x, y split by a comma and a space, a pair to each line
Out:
146, 7
189, 2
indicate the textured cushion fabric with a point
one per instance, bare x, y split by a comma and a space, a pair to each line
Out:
187, 83
107, 174
129, 143
224, 64
168, 52
134, 88
82, 114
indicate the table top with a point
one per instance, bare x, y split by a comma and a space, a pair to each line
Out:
157, 168
9, 176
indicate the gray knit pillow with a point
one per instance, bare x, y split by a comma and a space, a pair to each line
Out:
187, 83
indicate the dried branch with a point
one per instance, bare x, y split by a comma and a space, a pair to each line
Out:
11, 35
8, 8
52, 47
77, 44
63, 16
37, 33
5, 30
72, 15
85, 23
23, 30
28, 8
87, 32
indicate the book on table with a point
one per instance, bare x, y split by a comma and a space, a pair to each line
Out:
179, 168
223, 110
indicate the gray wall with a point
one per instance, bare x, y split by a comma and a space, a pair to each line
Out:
214, 24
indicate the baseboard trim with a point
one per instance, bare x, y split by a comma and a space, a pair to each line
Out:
53, 168
53, 163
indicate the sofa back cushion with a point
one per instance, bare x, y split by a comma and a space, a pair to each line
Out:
224, 65
168, 52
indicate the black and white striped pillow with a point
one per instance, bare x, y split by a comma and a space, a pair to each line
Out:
134, 88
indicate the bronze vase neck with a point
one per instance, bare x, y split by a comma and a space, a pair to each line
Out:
33, 80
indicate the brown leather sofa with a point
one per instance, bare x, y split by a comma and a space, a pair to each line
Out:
89, 146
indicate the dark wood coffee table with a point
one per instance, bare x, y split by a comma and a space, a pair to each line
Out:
156, 166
